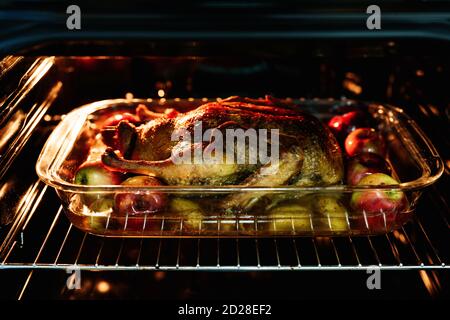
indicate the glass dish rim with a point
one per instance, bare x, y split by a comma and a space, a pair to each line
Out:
47, 173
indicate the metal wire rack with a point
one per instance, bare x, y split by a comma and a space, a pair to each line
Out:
42, 238
45, 239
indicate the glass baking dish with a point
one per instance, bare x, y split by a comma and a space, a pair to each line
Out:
193, 211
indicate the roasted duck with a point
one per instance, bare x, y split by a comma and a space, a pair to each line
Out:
309, 155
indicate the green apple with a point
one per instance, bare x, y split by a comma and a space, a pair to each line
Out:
332, 213
188, 210
290, 217
95, 174
102, 205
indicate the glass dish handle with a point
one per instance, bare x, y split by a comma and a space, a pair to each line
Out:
428, 151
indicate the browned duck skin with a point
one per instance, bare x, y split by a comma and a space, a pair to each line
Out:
176, 173
144, 114
148, 148
272, 174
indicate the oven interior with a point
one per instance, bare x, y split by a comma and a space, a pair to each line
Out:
38, 244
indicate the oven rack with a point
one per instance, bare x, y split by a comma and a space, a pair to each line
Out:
45, 239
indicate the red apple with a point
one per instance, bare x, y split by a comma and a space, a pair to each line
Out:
378, 208
364, 140
140, 202
341, 125
364, 164
380, 222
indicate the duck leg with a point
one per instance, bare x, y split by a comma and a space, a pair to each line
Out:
175, 173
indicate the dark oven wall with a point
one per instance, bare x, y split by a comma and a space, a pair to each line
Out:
399, 72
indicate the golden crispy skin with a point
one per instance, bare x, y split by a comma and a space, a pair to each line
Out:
309, 153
